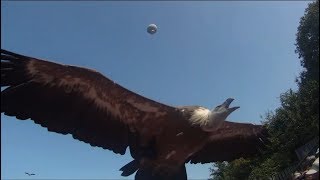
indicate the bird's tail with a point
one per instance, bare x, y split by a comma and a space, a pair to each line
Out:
130, 168
149, 174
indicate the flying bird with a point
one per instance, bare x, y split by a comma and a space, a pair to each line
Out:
30, 174
94, 109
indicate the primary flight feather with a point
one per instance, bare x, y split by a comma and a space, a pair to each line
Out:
94, 109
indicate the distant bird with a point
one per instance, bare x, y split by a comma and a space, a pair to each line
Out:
96, 110
29, 174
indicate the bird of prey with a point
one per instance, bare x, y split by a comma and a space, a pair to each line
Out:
94, 109
30, 174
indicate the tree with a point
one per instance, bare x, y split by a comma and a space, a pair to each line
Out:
307, 43
297, 119
236, 170
307, 46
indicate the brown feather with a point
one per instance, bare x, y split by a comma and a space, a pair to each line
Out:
77, 101
231, 141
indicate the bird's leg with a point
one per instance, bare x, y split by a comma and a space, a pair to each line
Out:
142, 148
148, 149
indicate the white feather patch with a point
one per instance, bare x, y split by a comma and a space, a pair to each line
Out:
200, 116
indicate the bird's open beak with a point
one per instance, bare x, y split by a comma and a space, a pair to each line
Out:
227, 103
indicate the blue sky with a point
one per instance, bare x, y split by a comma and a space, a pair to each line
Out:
203, 53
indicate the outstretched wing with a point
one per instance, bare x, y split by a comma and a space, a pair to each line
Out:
77, 101
231, 141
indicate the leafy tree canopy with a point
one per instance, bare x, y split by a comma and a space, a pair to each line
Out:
297, 119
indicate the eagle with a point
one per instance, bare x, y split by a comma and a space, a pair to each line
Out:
94, 109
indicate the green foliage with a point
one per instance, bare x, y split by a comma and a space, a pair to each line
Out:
307, 42
266, 168
217, 172
296, 121
237, 170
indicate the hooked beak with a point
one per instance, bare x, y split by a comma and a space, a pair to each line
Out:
227, 103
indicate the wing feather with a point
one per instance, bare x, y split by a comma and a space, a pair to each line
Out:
232, 141
77, 101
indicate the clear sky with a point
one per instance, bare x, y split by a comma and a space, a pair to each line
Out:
203, 53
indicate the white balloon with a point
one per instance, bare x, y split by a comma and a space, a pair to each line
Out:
152, 28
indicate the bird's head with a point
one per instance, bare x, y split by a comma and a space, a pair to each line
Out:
221, 112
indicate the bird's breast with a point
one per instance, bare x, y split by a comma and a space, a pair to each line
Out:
174, 148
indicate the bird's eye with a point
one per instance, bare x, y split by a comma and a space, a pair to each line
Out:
218, 106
